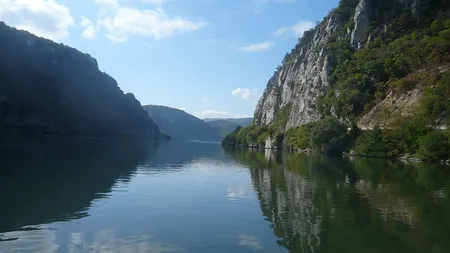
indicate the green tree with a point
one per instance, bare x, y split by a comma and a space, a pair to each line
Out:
328, 136
434, 146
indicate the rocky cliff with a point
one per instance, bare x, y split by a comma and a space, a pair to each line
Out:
51, 88
380, 66
306, 73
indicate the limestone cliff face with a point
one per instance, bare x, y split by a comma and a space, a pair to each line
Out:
300, 80
306, 71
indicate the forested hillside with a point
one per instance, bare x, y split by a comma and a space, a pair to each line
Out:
50, 88
373, 77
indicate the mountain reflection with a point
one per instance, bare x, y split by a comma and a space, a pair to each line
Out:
318, 204
56, 179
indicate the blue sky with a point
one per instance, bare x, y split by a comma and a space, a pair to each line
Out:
211, 58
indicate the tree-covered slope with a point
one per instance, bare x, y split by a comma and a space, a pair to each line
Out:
180, 125
50, 88
223, 127
243, 122
369, 63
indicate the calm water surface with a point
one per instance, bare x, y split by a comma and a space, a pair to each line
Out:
66, 195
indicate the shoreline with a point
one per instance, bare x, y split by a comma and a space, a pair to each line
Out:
403, 158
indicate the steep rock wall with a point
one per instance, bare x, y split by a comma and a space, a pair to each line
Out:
307, 72
300, 80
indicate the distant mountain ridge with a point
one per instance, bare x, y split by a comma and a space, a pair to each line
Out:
223, 127
181, 125
243, 122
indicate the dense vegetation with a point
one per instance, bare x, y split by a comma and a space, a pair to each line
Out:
405, 50
50, 88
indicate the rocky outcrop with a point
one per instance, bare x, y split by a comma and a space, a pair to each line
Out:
304, 75
411, 4
50, 88
362, 17
396, 105
306, 72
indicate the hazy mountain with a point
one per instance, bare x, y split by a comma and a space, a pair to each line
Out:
223, 127
181, 125
243, 122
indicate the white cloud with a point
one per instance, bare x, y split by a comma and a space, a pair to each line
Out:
148, 45
157, 2
89, 30
156, 24
213, 114
298, 29
45, 18
218, 114
108, 3
205, 99
245, 93
239, 116
116, 38
257, 47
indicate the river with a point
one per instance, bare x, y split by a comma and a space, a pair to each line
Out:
98, 195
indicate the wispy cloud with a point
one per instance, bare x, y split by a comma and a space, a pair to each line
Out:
155, 24
205, 99
213, 114
116, 38
157, 2
298, 29
257, 47
89, 32
108, 3
119, 20
245, 93
48, 19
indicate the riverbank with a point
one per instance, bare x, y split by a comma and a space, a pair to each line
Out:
351, 153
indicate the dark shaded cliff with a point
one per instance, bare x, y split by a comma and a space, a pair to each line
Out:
50, 88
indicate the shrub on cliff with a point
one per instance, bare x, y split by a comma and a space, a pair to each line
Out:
300, 137
370, 143
434, 146
328, 136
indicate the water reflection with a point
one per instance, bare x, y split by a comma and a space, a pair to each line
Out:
318, 204
56, 179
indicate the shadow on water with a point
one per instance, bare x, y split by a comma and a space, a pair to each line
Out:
56, 179
319, 204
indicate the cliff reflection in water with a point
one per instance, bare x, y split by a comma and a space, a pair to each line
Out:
56, 179
318, 204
